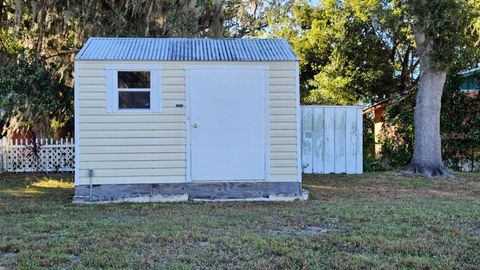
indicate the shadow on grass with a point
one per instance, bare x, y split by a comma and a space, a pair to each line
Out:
390, 185
36, 185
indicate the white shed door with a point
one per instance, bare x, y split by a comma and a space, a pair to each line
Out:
227, 124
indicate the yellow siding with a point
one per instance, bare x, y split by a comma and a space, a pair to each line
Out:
150, 147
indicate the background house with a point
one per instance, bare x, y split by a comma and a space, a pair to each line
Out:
470, 86
471, 82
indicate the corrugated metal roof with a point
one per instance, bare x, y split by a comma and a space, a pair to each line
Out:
186, 49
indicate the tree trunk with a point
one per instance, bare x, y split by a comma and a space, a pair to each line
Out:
427, 154
18, 15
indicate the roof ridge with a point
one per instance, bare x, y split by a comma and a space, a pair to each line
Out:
192, 38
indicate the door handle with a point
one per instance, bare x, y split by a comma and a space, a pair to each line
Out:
195, 125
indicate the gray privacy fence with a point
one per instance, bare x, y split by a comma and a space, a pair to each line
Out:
332, 139
45, 155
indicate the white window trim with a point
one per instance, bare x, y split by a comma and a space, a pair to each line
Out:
111, 73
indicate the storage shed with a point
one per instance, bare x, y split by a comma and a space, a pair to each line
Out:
168, 119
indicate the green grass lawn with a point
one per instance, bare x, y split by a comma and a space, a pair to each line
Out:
371, 221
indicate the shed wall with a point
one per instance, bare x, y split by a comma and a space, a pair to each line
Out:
130, 147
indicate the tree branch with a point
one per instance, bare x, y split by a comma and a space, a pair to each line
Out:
62, 53
3, 45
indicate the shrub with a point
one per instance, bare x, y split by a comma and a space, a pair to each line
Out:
460, 128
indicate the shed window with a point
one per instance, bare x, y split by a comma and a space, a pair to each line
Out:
133, 79
133, 88
133, 100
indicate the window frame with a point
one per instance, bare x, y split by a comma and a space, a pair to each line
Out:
112, 93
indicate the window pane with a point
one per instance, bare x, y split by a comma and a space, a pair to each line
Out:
134, 79
134, 100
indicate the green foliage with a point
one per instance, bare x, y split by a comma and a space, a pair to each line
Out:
370, 161
9, 46
245, 18
460, 121
359, 66
350, 51
31, 99
460, 127
397, 147
446, 25
39, 39
357, 51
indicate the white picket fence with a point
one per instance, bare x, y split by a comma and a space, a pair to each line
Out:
45, 155
332, 139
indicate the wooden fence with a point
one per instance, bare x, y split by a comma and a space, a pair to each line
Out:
43, 155
332, 139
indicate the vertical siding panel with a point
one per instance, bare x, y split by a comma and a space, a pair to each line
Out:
298, 114
307, 136
76, 89
329, 140
318, 138
351, 140
359, 138
340, 160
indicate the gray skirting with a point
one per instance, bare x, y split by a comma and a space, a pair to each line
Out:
215, 191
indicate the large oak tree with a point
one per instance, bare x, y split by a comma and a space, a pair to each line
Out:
441, 29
